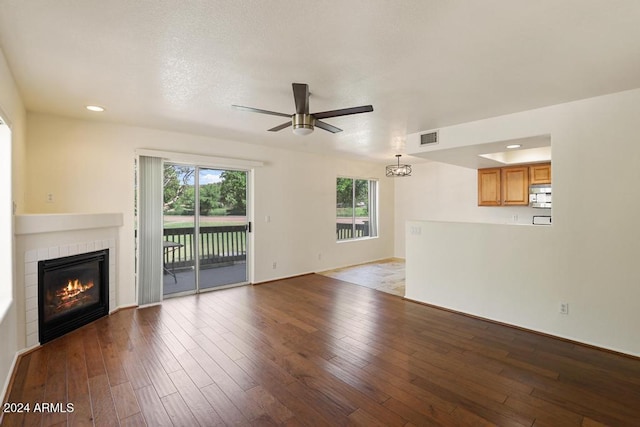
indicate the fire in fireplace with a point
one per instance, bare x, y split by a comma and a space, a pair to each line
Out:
72, 291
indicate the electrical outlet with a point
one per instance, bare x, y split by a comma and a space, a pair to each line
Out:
50, 198
319, 256
275, 265
564, 308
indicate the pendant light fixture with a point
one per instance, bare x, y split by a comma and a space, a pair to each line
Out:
398, 169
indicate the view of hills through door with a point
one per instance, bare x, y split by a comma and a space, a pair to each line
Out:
205, 228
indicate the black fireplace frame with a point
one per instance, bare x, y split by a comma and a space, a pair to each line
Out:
64, 324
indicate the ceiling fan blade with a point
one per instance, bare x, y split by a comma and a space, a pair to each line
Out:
343, 112
280, 127
301, 97
257, 110
327, 126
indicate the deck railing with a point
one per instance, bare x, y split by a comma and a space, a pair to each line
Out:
346, 231
224, 244
217, 245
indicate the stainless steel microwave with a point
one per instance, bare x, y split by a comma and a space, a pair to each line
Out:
540, 196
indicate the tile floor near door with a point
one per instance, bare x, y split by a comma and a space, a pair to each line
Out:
385, 275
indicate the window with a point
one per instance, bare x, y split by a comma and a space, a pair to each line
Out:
356, 208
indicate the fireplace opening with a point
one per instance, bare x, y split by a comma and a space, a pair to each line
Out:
72, 291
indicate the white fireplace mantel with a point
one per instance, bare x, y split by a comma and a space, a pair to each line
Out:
50, 223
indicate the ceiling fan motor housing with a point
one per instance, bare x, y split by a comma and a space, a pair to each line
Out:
303, 123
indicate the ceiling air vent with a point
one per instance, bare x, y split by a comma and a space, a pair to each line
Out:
430, 138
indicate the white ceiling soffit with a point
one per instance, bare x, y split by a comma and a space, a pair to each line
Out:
422, 64
533, 149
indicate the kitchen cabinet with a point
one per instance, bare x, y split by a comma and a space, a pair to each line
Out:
540, 174
489, 187
515, 186
508, 186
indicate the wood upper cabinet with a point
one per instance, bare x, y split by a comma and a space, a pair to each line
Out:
489, 187
540, 174
509, 186
515, 186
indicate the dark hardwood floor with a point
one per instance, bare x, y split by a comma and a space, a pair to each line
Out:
313, 350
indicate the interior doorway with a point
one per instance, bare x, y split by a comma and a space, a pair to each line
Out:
205, 226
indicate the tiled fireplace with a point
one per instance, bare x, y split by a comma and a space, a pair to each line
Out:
72, 292
46, 242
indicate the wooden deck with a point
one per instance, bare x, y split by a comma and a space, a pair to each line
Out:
313, 350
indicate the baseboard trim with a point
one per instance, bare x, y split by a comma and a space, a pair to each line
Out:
282, 278
123, 307
520, 328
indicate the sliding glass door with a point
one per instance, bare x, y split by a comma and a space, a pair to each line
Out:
205, 228
222, 225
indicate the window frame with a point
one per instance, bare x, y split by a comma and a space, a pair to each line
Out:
373, 210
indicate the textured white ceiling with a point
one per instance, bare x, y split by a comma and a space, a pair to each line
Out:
423, 64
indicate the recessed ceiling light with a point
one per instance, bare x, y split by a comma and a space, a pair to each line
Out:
95, 108
514, 146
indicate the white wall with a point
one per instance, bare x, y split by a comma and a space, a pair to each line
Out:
13, 112
89, 167
592, 248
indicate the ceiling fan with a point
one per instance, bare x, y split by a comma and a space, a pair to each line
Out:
303, 122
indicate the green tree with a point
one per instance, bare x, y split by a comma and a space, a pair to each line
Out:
209, 198
233, 191
344, 192
176, 182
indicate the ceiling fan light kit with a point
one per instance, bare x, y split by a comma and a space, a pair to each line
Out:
302, 122
398, 170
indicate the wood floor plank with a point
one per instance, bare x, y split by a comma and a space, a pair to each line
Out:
230, 388
124, 399
152, 408
271, 406
111, 359
194, 370
229, 413
200, 407
34, 387
406, 393
244, 381
56, 384
104, 410
134, 367
136, 420
93, 352
316, 351
178, 411
159, 377
78, 385
270, 378
543, 411
360, 417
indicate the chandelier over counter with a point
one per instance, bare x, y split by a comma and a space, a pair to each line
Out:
398, 169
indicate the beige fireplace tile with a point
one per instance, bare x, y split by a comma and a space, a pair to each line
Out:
54, 252
31, 268
31, 256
